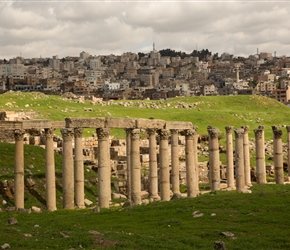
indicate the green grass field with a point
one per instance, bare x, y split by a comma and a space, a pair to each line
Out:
258, 221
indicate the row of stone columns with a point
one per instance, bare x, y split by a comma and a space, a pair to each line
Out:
73, 170
163, 182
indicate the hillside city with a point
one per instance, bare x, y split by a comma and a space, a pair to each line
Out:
156, 75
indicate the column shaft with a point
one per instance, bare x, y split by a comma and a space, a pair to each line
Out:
164, 166
175, 161
135, 167
79, 169
104, 168
214, 159
19, 170
247, 162
50, 189
153, 168
278, 155
190, 162
239, 160
195, 155
230, 158
260, 155
128, 153
67, 169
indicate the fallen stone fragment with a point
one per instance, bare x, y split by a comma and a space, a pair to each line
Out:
219, 245
12, 221
5, 246
227, 234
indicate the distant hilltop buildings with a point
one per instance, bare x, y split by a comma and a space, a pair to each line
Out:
156, 75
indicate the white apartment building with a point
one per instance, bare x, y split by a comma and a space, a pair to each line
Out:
95, 63
17, 71
54, 63
84, 55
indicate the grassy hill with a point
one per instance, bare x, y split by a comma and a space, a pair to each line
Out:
258, 221
219, 111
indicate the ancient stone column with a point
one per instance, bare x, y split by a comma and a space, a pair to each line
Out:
260, 155
195, 155
247, 161
174, 161
288, 150
67, 169
153, 168
239, 160
19, 169
79, 169
190, 163
135, 167
164, 165
50, 189
230, 158
214, 158
128, 153
278, 155
104, 168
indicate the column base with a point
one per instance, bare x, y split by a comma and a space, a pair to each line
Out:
154, 198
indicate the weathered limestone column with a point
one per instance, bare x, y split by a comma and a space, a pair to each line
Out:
260, 155
67, 169
153, 168
239, 160
164, 165
135, 167
230, 158
247, 161
214, 158
104, 168
50, 189
174, 161
79, 169
278, 155
288, 150
19, 169
128, 153
190, 162
195, 155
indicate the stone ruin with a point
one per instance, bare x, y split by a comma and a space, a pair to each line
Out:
160, 154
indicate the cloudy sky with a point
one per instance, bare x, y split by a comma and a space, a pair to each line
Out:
66, 28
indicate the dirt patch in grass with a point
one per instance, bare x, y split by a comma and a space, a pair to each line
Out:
103, 242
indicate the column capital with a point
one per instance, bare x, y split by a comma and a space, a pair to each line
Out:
277, 132
229, 129
189, 133
151, 131
245, 128
258, 133
66, 133
239, 133
49, 132
128, 131
103, 133
213, 132
78, 132
262, 127
135, 134
174, 131
163, 133
19, 134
